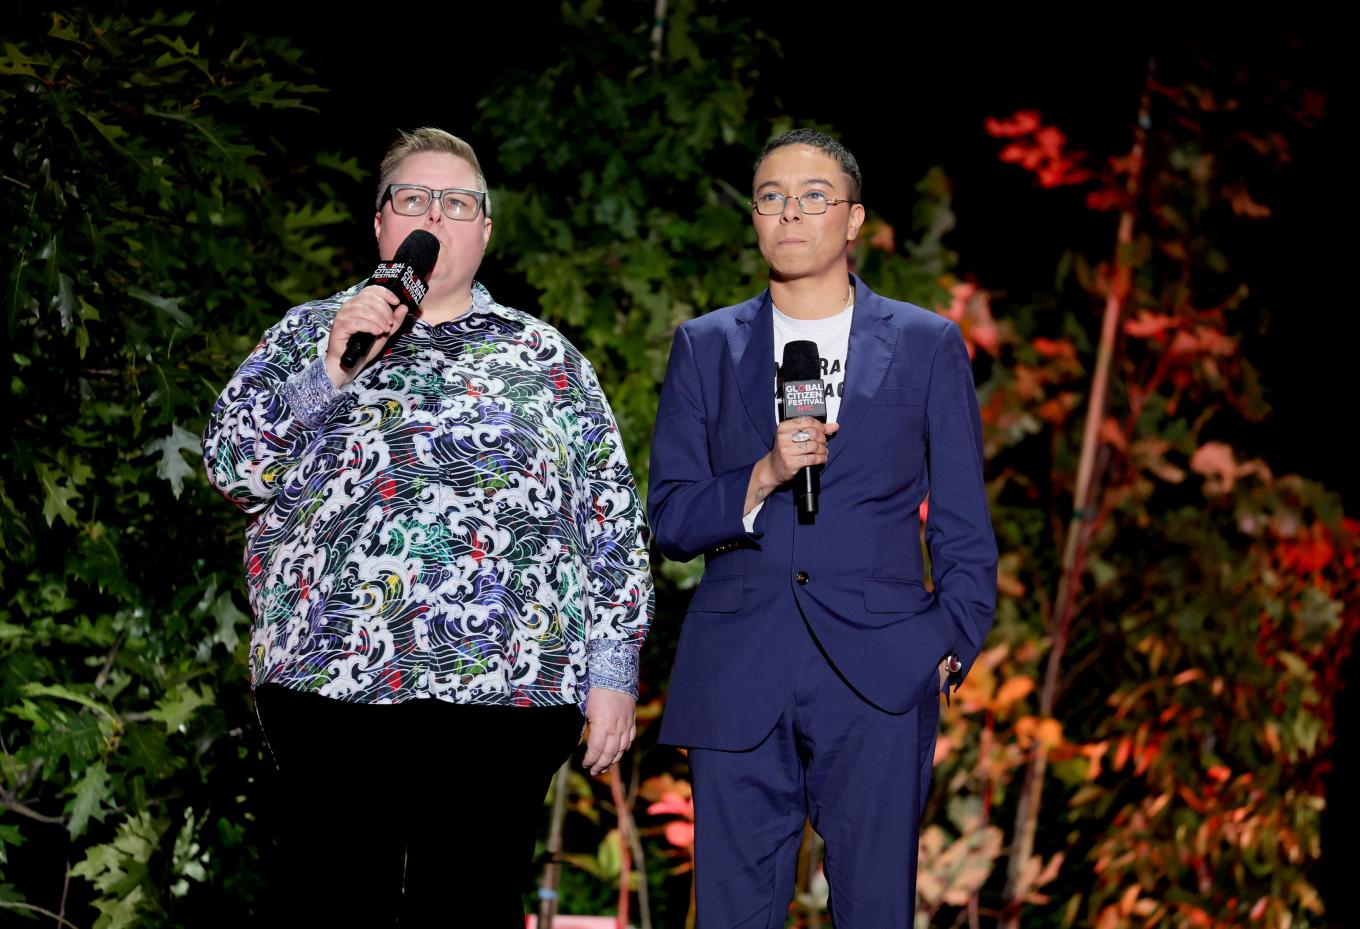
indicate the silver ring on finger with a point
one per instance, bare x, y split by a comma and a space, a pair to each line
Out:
801, 436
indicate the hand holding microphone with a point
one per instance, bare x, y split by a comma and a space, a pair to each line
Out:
800, 442
365, 323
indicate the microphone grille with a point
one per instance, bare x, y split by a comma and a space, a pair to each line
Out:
420, 250
801, 362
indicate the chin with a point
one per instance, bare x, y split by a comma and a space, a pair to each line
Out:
792, 272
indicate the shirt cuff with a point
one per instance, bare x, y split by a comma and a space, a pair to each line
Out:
749, 520
311, 395
613, 665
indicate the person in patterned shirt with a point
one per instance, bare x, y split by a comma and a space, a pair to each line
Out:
447, 562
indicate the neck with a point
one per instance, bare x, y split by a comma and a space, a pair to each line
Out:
442, 305
811, 298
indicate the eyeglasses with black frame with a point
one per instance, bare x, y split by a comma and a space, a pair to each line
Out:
457, 203
812, 202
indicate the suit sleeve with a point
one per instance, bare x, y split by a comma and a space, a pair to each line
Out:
692, 510
959, 534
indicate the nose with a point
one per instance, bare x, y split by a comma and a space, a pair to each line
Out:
792, 210
435, 214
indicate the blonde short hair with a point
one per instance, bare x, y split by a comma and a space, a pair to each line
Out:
427, 139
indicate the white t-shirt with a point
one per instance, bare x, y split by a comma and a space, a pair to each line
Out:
832, 336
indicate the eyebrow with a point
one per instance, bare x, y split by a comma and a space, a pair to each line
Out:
805, 182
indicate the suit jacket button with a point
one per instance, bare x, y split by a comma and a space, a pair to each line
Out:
801, 577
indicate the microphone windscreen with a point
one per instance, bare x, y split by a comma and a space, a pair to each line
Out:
801, 362
420, 250
802, 392
408, 273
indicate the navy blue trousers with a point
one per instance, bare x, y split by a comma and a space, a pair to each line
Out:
859, 773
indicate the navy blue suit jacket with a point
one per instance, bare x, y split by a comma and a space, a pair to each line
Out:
909, 425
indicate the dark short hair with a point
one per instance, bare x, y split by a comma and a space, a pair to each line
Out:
823, 143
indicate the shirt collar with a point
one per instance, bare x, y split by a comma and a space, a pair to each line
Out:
483, 302
486, 305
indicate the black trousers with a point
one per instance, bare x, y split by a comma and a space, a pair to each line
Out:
415, 814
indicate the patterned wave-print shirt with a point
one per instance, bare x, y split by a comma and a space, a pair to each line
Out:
458, 522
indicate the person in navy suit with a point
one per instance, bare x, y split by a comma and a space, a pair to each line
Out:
811, 661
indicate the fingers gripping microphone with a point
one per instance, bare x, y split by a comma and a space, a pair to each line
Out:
406, 275
804, 394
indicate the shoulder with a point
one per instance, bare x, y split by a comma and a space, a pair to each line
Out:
715, 325
537, 331
552, 347
912, 319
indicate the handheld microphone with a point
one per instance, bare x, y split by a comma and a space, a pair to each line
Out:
804, 394
406, 275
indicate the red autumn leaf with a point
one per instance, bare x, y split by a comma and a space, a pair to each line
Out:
1307, 556
1244, 205
883, 238
1203, 341
1149, 325
1105, 199
1053, 411
1113, 434
1050, 139
970, 307
673, 803
1053, 175
1121, 752
1054, 348
1038, 148
1146, 756
680, 834
1021, 123
1215, 460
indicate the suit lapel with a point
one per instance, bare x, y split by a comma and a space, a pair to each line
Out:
873, 340
751, 342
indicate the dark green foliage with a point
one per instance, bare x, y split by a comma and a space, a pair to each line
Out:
155, 228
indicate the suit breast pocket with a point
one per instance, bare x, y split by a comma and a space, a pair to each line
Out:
898, 396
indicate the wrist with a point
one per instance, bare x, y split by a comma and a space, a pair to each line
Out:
335, 372
766, 480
